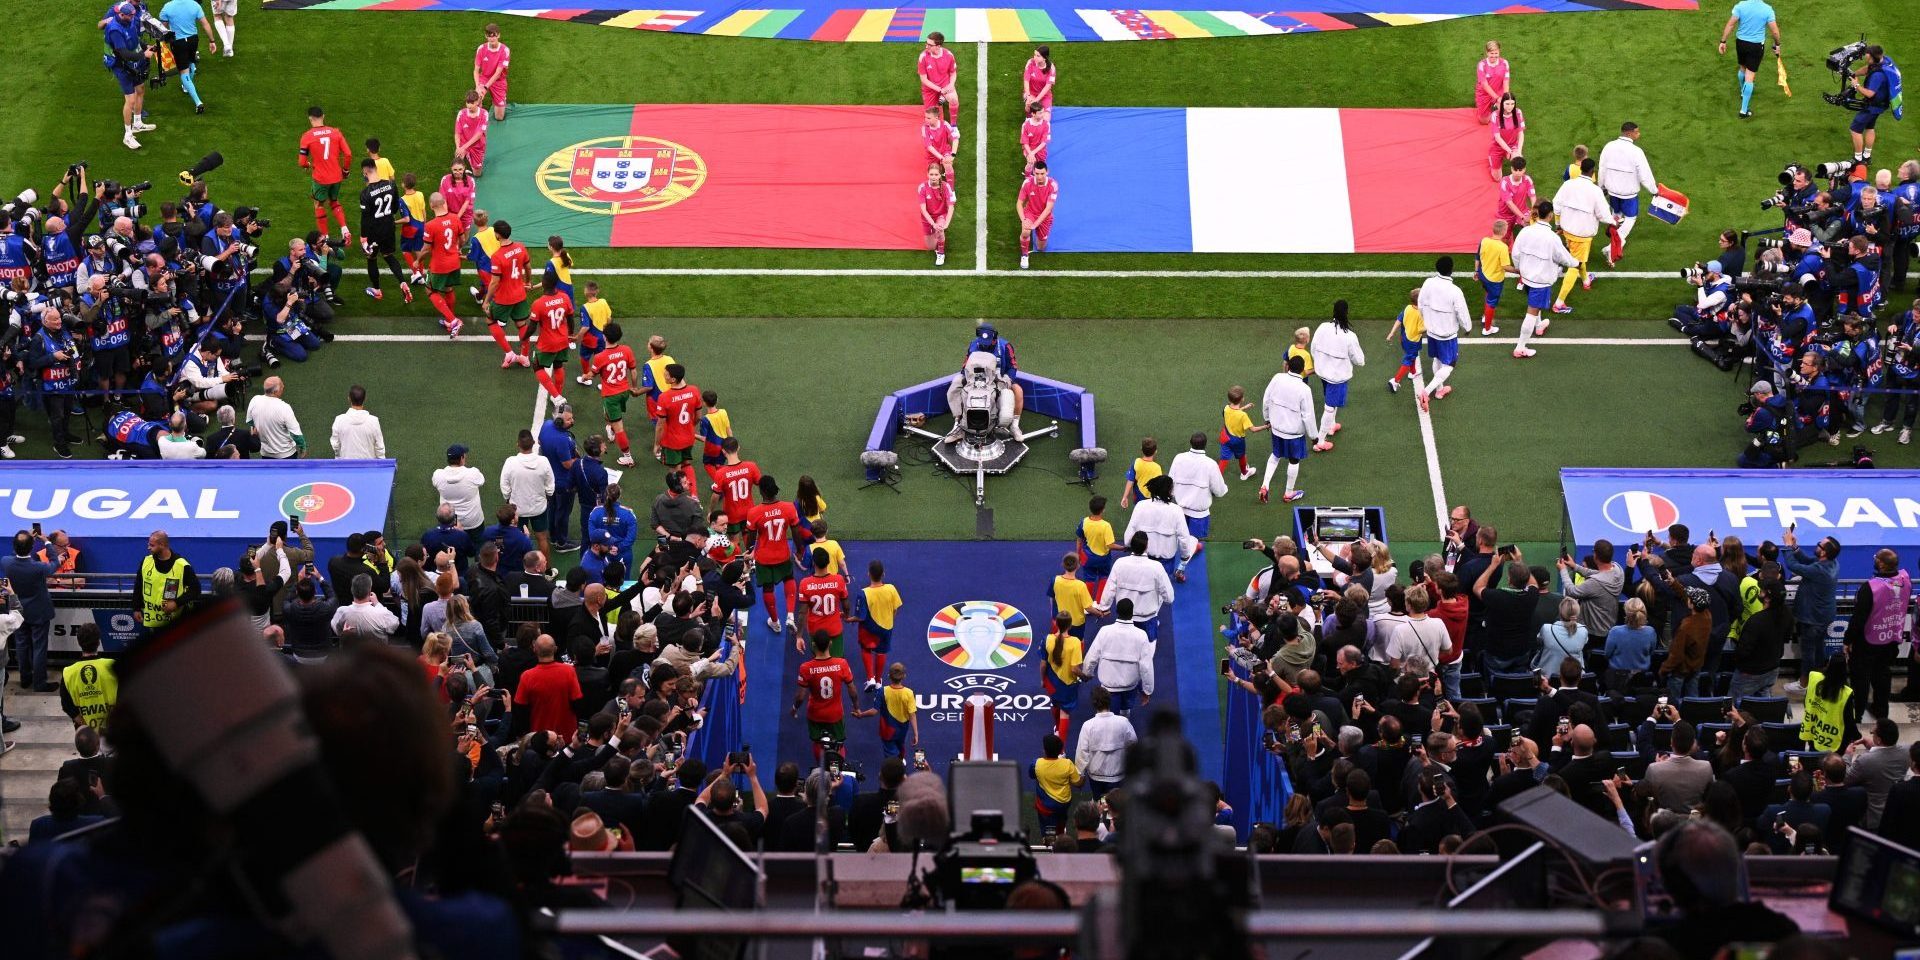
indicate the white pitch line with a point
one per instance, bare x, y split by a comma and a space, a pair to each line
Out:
1440, 509
980, 162
539, 406
979, 243
1491, 341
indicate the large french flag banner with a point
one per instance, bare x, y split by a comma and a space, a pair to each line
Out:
1669, 205
1269, 180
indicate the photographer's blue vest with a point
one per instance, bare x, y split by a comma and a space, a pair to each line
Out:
62, 259
58, 376
1909, 326
113, 326
13, 259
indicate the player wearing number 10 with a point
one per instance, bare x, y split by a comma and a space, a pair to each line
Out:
825, 596
733, 483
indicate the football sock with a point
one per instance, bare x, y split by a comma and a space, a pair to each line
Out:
1062, 723
1626, 227
186, 85
319, 213
232, 28
1223, 467
412, 264
940, 245
1243, 464
1566, 284
620, 437
766, 597
500, 337
1026, 243
339, 213
1266, 480
1327, 420
1746, 94
1402, 373
1526, 330
440, 303
789, 591
1486, 317
1293, 475
523, 338
546, 380
1441, 372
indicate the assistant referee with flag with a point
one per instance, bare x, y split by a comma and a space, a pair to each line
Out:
1749, 25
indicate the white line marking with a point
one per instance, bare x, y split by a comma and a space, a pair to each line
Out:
539, 406
1485, 341
1440, 509
979, 245
980, 162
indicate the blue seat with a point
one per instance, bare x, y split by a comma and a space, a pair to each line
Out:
1508, 686
1631, 762
1765, 709
1473, 685
1502, 736
1782, 737
1704, 710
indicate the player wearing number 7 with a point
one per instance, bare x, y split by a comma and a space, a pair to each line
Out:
680, 404
824, 594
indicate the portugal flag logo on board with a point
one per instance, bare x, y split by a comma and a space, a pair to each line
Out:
317, 503
616, 175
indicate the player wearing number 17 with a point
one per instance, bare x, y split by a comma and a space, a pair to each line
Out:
680, 404
824, 594
770, 529
554, 313
506, 294
324, 155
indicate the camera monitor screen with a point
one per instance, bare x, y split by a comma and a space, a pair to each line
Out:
1879, 882
1339, 527
982, 787
1004, 875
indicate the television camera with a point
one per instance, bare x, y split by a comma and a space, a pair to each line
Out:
986, 437
1841, 61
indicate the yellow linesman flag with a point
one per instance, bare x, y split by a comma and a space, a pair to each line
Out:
1780, 70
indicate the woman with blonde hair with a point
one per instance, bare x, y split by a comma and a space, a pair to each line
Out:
1629, 646
434, 654
1564, 638
469, 638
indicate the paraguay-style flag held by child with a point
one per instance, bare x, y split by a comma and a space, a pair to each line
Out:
1669, 205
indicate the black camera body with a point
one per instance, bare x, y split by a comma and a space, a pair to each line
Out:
1840, 60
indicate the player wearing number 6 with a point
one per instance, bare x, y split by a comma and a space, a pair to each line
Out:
613, 367
770, 528
824, 594
673, 436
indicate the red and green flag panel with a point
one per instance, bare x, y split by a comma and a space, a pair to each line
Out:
708, 175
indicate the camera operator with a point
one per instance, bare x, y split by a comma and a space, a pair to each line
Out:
1905, 204
232, 257
1707, 318
1900, 356
55, 357
1785, 325
103, 318
1770, 425
1853, 276
288, 335
1813, 395
60, 254
129, 59
1874, 84
1851, 361
98, 260
211, 381
307, 272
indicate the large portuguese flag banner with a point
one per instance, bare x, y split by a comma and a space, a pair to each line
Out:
707, 175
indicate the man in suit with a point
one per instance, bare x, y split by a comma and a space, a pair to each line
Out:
29, 579
1436, 816
1848, 802
1753, 778
1576, 760
667, 811
1798, 809
1901, 820
616, 803
1877, 763
869, 809
1557, 702
88, 766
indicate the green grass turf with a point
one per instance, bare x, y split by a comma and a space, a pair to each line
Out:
1159, 353
398, 76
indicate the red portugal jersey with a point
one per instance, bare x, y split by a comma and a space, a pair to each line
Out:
826, 599
735, 482
680, 409
1034, 134
938, 66
510, 267
1035, 198
554, 313
772, 525
823, 681
939, 138
324, 152
443, 235
614, 367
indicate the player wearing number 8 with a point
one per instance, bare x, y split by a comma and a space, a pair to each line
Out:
680, 404
825, 596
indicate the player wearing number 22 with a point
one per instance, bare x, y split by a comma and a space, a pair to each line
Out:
825, 596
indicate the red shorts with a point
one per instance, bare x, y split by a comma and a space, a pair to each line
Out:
1041, 156
1482, 104
477, 156
1043, 230
926, 229
929, 98
1046, 102
498, 92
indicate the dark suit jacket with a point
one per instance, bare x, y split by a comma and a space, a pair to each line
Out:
628, 810
868, 816
665, 813
1428, 824
514, 661
1547, 714
29, 578
1508, 785
1583, 776
1848, 804
1901, 821
796, 832
1753, 781
81, 768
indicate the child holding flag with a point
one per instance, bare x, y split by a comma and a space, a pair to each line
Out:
1235, 426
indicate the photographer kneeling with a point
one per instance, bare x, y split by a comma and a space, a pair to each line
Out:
211, 383
1770, 425
1706, 319
308, 274
287, 332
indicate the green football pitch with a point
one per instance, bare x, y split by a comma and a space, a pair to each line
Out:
801, 351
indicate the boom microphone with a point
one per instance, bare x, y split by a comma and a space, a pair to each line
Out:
207, 164
1088, 455
880, 459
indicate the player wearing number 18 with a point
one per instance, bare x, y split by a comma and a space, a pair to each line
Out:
680, 404
825, 596
553, 313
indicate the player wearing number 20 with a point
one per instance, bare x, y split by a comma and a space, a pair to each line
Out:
825, 596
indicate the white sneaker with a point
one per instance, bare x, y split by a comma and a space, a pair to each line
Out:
1906, 435
583, 380
789, 621
1794, 688
1393, 386
1522, 353
626, 460
1880, 428
131, 143
1248, 473
1023, 262
523, 360
773, 625
1489, 331
1540, 326
16, 438
141, 126
6, 452
506, 360
939, 259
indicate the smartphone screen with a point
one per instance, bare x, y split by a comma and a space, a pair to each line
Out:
1225, 666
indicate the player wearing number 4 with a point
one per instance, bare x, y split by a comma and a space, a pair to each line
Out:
505, 298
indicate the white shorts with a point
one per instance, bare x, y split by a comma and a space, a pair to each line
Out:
226, 7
